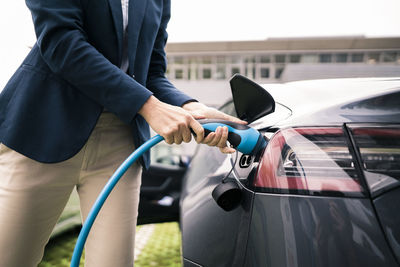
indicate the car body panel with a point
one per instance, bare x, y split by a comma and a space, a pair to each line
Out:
315, 231
210, 233
223, 241
387, 207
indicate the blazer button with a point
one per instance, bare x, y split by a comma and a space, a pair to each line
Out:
133, 76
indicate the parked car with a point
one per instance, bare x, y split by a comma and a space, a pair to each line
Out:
324, 192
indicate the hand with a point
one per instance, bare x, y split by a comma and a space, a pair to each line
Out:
171, 122
220, 136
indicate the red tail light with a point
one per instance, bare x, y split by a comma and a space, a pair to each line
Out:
379, 148
312, 161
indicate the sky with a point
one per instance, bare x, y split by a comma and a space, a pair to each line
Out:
229, 20
217, 20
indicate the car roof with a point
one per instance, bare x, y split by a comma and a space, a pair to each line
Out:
305, 96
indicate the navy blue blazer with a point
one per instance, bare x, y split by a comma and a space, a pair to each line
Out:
51, 104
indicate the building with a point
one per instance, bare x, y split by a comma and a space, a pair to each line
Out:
203, 69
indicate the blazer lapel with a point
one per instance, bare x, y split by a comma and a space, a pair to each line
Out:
116, 10
136, 15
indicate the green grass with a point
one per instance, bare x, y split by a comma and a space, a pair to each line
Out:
58, 252
162, 249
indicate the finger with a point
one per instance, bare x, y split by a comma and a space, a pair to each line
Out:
234, 119
209, 138
217, 137
216, 114
224, 137
178, 135
178, 138
187, 135
227, 150
197, 129
169, 139
214, 136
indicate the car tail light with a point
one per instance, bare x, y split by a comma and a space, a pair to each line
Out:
379, 149
310, 160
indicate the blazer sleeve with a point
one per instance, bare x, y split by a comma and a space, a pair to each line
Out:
162, 88
64, 46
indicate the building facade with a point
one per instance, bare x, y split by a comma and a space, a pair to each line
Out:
266, 60
202, 65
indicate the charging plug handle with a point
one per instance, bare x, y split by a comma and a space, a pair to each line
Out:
242, 137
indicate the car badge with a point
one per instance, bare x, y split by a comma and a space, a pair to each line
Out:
245, 161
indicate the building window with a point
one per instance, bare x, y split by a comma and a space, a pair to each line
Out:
220, 75
206, 60
235, 59
264, 72
193, 60
235, 70
178, 60
278, 72
373, 58
325, 58
265, 59
357, 58
206, 73
279, 58
221, 59
309, 58
389, 57
295, 58
250, 59
179, 74
341, 58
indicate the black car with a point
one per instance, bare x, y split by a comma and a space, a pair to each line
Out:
324, 192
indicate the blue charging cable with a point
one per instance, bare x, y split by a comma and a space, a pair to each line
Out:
242, 137
80, 243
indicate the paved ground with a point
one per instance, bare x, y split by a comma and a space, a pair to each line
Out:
156, 245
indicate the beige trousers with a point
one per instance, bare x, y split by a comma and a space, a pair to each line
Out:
33, 195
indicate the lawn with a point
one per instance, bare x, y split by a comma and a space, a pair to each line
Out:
161, 247
156, 244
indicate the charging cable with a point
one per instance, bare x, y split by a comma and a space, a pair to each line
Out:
80, 243
243, 138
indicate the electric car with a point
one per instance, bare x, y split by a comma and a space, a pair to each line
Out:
324, 192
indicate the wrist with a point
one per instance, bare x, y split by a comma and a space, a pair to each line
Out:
190, 106
151, 103
188, 101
